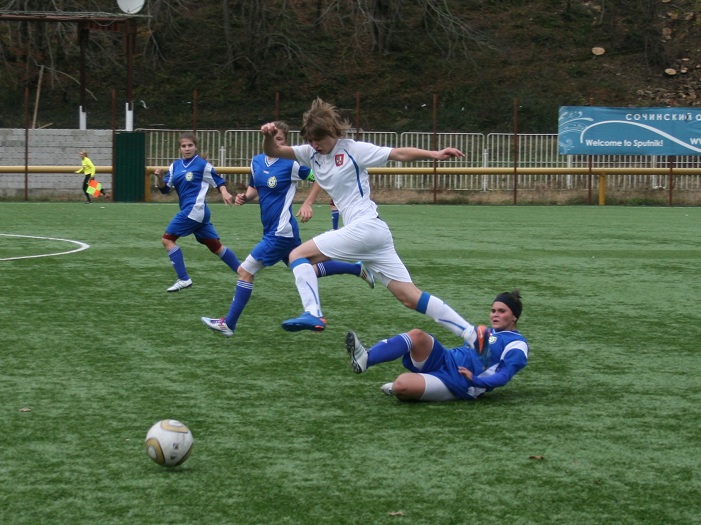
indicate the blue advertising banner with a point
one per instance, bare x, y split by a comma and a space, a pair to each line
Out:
588, 130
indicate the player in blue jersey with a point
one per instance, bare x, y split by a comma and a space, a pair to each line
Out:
274, 182
439, 374
191, 176
340, 168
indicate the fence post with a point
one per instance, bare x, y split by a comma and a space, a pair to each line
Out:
147, 185
589, 164
671, 178
516, 145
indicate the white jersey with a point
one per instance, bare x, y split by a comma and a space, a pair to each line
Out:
344, 176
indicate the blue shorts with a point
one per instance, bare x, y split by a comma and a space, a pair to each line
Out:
443, 364
182, 226
271, 249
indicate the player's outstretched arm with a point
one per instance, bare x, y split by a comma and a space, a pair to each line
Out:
411, 154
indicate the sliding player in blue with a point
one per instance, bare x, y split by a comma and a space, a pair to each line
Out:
341, 169
274, 182
440, 374
191, 176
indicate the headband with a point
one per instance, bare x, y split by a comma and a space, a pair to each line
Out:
508, 300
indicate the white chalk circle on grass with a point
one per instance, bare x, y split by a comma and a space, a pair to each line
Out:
81, 246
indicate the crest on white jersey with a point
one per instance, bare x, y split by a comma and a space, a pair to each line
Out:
339, 159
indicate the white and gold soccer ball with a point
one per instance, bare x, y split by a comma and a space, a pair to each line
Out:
169, 443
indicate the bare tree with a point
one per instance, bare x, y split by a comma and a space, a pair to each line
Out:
162, 24
384, 22
382, 18
452, 34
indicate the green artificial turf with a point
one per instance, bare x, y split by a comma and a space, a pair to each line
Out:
603, 426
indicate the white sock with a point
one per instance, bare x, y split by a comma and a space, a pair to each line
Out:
448, 318
470, 336
308, 288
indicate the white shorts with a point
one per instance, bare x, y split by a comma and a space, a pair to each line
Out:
369, 241
436, 390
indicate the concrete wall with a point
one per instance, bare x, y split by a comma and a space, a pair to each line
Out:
53, 147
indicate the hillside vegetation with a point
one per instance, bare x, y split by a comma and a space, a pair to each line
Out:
477, 62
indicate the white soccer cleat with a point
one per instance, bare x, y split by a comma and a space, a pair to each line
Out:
218, 325
357, 353
180, 285
366, 275
387, 389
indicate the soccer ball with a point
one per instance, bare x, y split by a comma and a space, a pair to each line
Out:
169, 442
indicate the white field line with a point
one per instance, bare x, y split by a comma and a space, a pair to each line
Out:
81, 246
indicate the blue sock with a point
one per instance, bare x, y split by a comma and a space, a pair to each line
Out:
337, 267
389, 349
241, 296
176, 259
229, 257
334, 219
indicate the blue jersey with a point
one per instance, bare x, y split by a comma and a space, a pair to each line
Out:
276, 183
191, 179
508, 353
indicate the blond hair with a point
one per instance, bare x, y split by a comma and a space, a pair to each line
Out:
323, 120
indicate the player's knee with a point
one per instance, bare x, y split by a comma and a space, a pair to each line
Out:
244, 275
214, 245
168, 240
417, 336
294, 255
405, 387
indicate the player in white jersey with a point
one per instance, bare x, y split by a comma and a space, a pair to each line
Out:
440, 374
340, 168
274, 182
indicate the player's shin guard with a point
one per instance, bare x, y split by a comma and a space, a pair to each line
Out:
307, 286
444, 315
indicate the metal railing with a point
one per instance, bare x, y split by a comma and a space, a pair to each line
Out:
236, 148
534, 156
